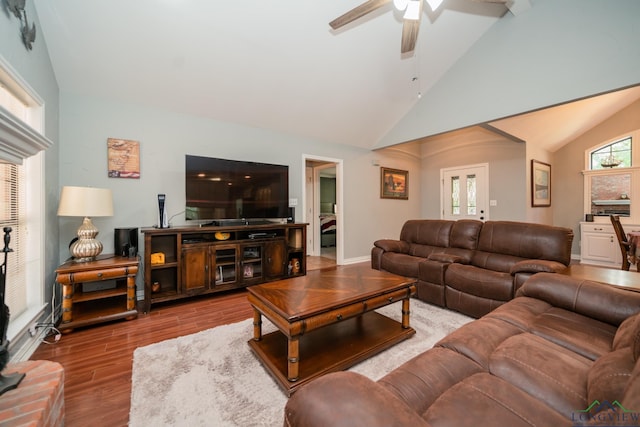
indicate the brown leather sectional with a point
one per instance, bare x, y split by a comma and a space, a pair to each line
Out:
471, 266
564, 352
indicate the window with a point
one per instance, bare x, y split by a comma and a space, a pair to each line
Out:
21, 190
12, 192
614, 155
610, 178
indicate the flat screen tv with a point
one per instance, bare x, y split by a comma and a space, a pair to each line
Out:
221, 189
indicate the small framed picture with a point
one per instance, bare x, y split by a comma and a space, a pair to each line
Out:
394, 184
540, 184
123, 158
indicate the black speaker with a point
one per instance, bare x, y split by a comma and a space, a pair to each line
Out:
291, 218
126, 242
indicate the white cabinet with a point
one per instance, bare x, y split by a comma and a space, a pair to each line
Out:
599, 245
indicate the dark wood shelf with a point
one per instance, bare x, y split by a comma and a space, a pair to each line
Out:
79, 296
194, 256
80, 308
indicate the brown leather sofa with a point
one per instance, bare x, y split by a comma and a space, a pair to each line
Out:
471, 266
564, 352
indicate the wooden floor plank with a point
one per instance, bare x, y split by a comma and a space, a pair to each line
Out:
98, 360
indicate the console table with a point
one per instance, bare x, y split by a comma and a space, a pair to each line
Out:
97, 291
181, 262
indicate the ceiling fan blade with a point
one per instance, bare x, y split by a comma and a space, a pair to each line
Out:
410, 29
357, 12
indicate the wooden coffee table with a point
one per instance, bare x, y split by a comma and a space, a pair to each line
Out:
326, 321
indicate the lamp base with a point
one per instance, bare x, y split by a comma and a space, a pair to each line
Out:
86, 248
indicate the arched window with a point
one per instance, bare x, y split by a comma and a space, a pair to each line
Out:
614, 155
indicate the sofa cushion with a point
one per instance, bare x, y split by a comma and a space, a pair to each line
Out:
526, 240
438, 367
401, 264
631, 397
468, 304
628, 335
494, 261
431, 232
465, 234
478, 339
592, 299
520, 312
423, 251
546, 371
487, 400
609, 376
581, 334
483, 283
357, 402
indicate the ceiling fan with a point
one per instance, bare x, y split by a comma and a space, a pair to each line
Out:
411, 17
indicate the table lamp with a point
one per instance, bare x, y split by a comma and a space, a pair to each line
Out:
86, 202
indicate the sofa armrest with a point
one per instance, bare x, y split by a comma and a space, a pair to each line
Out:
592, 299
537, 266
388, 245
447, 258
347, 399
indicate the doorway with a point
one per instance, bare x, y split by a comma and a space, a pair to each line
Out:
465, 192
322, 201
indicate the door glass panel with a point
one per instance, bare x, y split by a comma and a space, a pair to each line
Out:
610, 194
471, 194
455, 195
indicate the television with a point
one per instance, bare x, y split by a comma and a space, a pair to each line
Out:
224, 191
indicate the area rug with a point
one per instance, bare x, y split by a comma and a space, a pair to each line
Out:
212, 378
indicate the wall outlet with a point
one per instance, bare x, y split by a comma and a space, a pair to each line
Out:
32, 330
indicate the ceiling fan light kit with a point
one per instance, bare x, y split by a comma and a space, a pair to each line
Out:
400, 4
413, 10
434, 4
411, 18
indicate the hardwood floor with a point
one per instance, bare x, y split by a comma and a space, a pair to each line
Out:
98, 360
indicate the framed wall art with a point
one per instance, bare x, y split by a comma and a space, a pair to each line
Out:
123, 158
540, 184
394, 184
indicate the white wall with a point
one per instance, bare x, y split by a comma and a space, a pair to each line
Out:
507, 178
166, 137
554, 52
568, 181
34, 67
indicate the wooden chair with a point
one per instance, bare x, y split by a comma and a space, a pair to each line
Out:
622, 240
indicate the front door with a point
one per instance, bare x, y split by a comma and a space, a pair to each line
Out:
465, 192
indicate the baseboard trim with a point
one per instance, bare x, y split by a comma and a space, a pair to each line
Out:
356, 260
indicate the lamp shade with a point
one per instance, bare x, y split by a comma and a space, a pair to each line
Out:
85, 201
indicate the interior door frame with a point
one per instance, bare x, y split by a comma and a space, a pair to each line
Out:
313, 218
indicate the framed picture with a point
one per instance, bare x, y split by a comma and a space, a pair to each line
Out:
124, 158
394, 184
540, 184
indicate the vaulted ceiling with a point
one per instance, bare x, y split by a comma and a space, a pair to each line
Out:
268, 64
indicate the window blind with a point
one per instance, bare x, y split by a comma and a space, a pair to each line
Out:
12, 214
